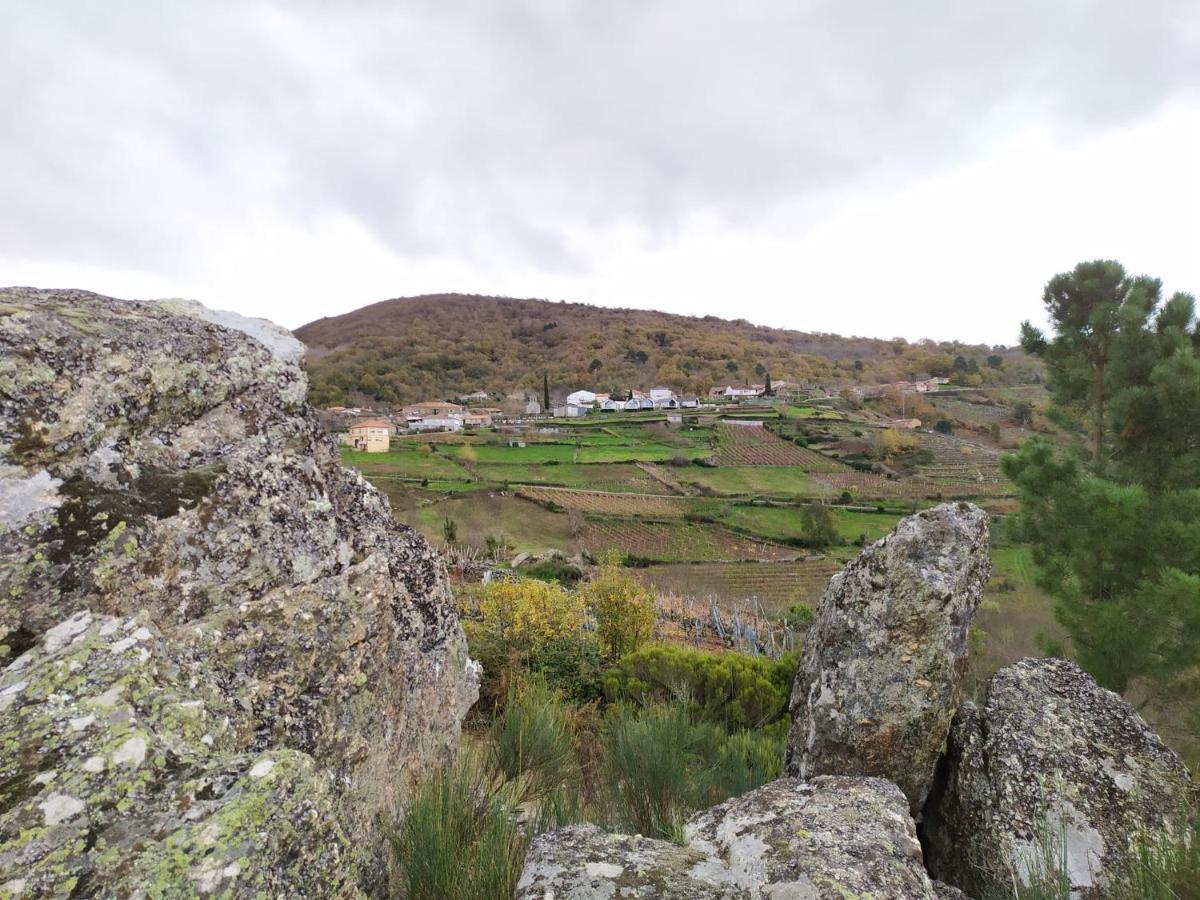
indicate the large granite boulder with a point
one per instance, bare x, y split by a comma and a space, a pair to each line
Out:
880, 673
833, 838
1052, 772
122, 772
582, 861
159, 459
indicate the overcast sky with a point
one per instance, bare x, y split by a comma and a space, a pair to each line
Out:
874, 168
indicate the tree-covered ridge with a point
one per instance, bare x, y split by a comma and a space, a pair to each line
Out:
413, 348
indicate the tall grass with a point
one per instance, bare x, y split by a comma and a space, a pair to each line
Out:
647, 765
466, 830
531, 744
660, 767
459, 839
1166, 867
1160, 866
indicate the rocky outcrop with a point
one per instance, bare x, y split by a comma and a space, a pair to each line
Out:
880, 673
1051, 772
584, 861
836, 837
130, 777
160, 467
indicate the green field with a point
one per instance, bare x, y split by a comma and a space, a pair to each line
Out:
530, 453
525, 525
608, 477
406, 462
753, 481
642, 453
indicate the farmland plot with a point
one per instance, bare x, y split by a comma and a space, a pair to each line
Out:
755, 481
405, 463
600, 477
676, 542
870, 486
610, 503
776, 585
753, 445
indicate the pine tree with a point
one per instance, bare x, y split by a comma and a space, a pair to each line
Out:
1116, 536
545, 393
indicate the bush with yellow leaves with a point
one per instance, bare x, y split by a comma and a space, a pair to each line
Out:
624, 608
511, 624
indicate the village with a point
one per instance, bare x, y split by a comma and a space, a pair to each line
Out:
371, 431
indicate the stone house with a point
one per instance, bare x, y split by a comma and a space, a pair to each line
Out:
371, 435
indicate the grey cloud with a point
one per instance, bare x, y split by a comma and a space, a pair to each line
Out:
137, 131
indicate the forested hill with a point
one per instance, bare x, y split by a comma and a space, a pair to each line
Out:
444, 345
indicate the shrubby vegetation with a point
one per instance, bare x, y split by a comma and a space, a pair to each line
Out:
624, 609
585, 721
514, 628
661, 766
729, 689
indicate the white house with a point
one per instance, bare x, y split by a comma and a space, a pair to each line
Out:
448, 422
748, 391
689, 402
580, 403
633, 404
663, 398
645, 403
608, 404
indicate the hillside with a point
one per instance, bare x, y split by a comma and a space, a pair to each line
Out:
441, 345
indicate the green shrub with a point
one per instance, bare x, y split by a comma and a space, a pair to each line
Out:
817, 525
732, 690
660, 767
509, 623
799, 615
648, 763
554, 570
531, 742
459, 839
573, 666
498, 546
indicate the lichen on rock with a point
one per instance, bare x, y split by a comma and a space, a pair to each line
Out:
830, 839
158, 467
1052, 773
883, 660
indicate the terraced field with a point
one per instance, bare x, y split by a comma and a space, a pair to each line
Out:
407, 463
776, 585
605, 503
684, 541
753, 445
624, 477
867, 485
783, 482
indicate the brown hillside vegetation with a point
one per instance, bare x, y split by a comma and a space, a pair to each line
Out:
444, 345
